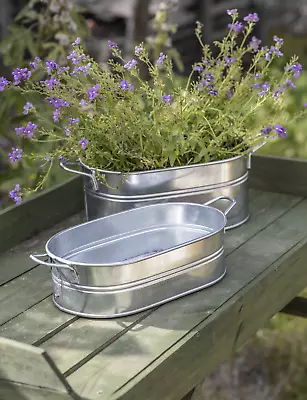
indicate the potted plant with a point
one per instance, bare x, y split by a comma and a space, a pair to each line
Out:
140, 141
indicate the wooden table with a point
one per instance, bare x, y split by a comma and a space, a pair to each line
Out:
162, 353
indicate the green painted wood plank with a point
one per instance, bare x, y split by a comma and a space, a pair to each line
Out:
37, 324
16, 261
16, 391
29, 365
107, 372
84, 338
214, 340
23, 292
19, 223
281, 175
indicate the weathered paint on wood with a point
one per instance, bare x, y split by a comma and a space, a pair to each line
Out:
19, 223
37, 324
28, 365
280, 175
16, 391
171, 322
23, 292
16, 261
202, 349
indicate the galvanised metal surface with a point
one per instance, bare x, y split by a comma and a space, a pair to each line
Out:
123, 253
193, 183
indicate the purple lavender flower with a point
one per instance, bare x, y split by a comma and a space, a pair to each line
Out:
50, 83
213, 92
57, 102
256, 85
161, 58
111, 44
83, 68
19, 131
277, 92
67, 131
198, 68
265, 88
167, 98
229, 93
76, 42
251, 17
29, 129
282, 132
73, 121
257, 75
61, 70
236, 27
15, 194
20, 74
207, 79
229, 60
267, 130
27, 107
75, 57
56, 115
297, 69
15, 155
84, 143
130, 64
255, 43
33, 64
3, 83
290, 83
232, 12
125, 85
93, 92
278, 41
138, 50
51, 65
83, 103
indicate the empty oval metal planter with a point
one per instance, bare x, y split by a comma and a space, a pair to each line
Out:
196, 183
131, 261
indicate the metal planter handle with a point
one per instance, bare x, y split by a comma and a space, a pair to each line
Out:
35, 258
233, 202
92, 176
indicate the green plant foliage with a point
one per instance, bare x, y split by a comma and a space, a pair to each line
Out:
42, 29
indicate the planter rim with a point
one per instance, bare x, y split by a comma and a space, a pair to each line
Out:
226, 160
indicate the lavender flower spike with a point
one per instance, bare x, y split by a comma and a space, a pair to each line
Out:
15, 194
84, 143
51, 65
111, 44
236, 27
267, 130
251, 18
130, 64
138, 50
125, 85
33, 64
3, 83
27, 108
76, 42
282, 132
15, 155
161, 58
297, 69
167, 98
20, 74
93, 92
232, 12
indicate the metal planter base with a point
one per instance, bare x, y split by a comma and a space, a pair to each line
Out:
117, 301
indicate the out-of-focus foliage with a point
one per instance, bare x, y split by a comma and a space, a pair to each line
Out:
43, 29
